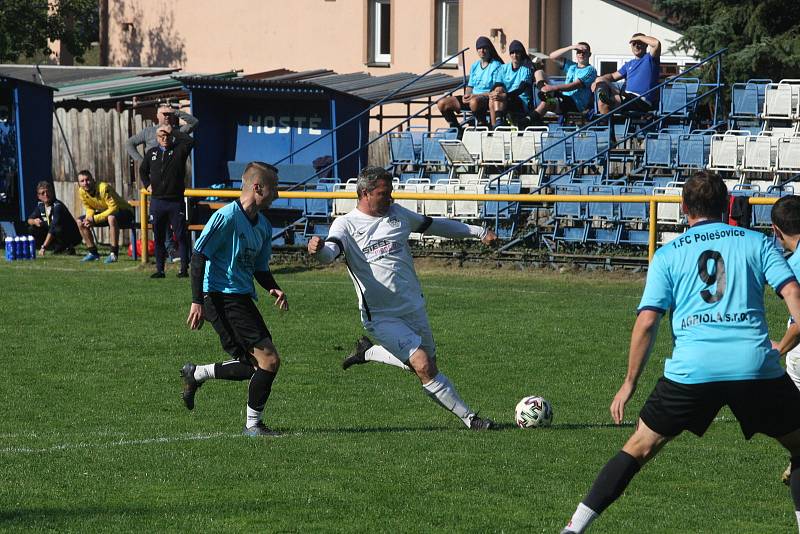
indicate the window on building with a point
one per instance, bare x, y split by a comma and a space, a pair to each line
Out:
446, 30
380, 29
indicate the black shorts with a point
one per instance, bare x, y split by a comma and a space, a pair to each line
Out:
641, 105
464, 106
771, 407
238, 322
566, 104
125, 219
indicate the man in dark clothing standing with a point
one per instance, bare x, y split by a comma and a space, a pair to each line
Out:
163, 171
51, 223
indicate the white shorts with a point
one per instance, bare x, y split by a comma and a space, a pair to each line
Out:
403, 335
793, 365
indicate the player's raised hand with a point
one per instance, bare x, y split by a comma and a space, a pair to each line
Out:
620, 400
196, 318
280, 299
490, 238
315, 244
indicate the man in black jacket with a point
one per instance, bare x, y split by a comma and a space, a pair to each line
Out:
51, 223
163, 171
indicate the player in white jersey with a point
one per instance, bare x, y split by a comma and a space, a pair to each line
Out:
374, 240
786, 227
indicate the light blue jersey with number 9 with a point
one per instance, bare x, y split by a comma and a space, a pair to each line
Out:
712, 279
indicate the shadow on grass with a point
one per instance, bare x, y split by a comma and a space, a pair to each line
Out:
497, 428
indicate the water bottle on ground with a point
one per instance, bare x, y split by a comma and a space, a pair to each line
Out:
31, 247
18, 252
10, 249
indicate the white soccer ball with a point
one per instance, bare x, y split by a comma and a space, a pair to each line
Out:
532, 412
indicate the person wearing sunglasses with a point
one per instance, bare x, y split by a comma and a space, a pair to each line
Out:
640, 75
574, 95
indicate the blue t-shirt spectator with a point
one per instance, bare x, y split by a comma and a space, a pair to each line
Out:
641, 75
513, 79
582, 95
481, 79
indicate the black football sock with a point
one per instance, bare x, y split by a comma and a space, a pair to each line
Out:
115, 251
93, 250
260, 387
612, 481
794, 482
233, 370
450, 117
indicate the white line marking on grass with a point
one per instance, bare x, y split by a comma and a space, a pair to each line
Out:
119, 443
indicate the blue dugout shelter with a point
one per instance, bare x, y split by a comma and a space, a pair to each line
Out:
26, 140
272, 120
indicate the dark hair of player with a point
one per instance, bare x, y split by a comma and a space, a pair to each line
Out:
705, 195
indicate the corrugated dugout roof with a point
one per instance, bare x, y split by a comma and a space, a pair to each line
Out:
59, 76
358, 84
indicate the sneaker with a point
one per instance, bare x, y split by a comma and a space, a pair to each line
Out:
190, 385
358, 356
91, 256
157, 275
111, 258
787, 474
183, 274
260, 430
605, 97
478, 423
568, 531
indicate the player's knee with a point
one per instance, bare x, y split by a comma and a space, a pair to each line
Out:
266, 356
424, 366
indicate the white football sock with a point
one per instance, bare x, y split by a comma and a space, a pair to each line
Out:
204, 372
582, 518
797, 515
376, 353
253, 417
442, 391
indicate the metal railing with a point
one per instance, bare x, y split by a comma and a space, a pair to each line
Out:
370, 108
652, 200
585, 128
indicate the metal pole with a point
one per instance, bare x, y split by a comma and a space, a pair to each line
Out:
651, 245
143, 224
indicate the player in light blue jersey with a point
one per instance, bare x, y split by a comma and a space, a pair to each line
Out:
476, 94
712, 280
511, 92
785, 217
234, 248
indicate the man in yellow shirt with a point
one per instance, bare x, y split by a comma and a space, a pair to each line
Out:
104, 207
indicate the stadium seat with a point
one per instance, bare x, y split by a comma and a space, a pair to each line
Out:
669, 213
726, 152
401, 149
788, 155
760, 153
782, 100
341, 206
436, 207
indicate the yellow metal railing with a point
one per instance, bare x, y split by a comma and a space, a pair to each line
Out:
653, 201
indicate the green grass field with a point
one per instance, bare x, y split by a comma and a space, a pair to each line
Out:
94, 437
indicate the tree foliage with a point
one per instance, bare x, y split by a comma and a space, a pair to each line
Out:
28, 26
762, 37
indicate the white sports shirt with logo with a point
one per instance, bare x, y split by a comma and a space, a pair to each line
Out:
379, 259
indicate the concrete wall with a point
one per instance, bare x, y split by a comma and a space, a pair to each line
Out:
260, 35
